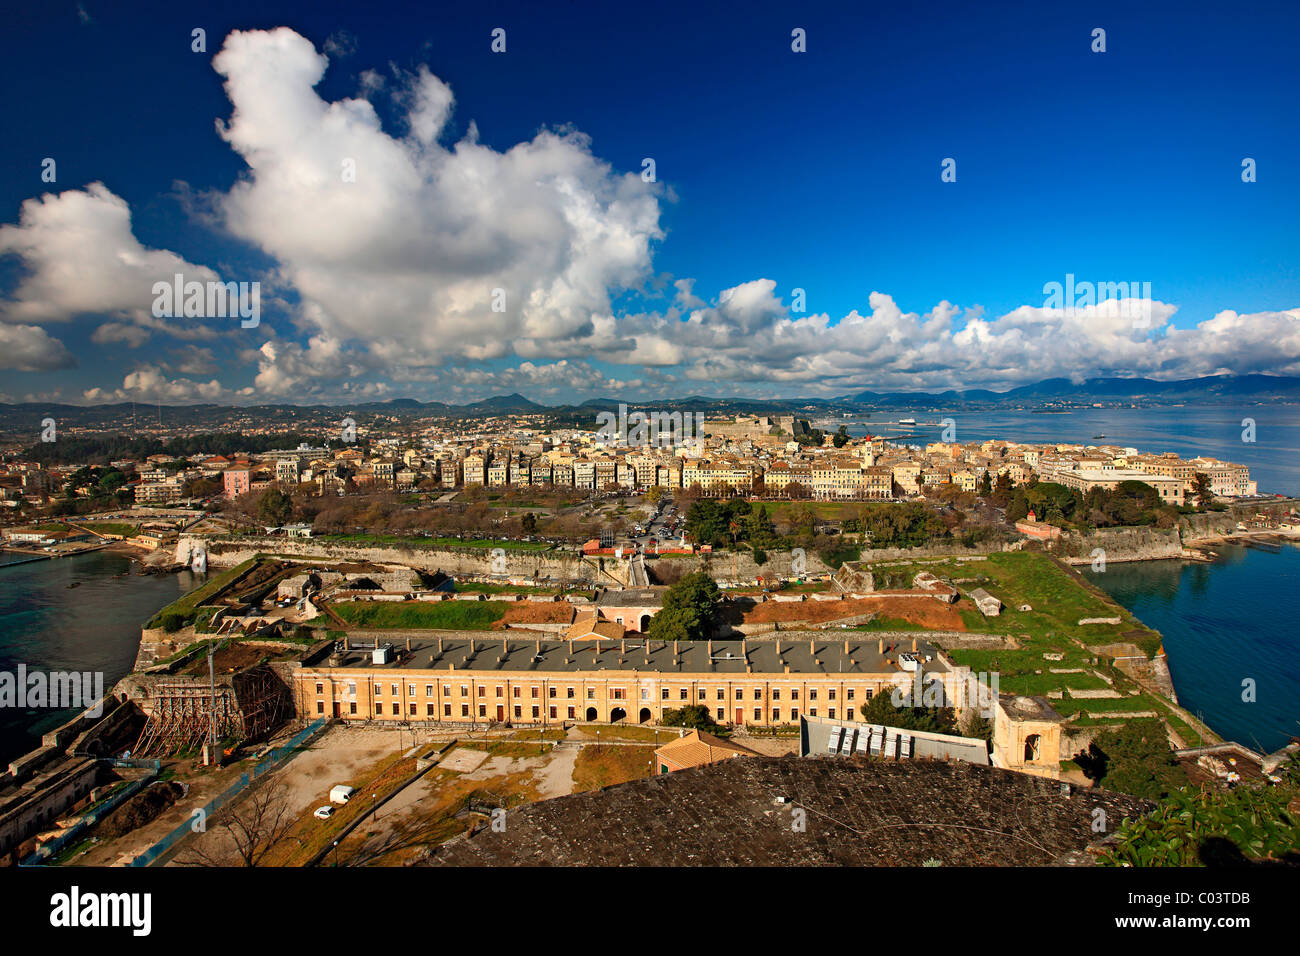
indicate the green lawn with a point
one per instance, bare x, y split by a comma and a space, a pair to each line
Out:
443, 615
187, 603
405, 541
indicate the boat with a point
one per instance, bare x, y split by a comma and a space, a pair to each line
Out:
75, 584
907, 421
1095, 437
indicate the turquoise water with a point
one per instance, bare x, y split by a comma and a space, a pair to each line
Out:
94, 627
1223, 623
1273, 457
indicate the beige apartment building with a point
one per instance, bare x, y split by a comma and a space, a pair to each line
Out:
743, 683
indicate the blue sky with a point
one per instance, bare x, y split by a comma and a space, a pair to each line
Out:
775, 171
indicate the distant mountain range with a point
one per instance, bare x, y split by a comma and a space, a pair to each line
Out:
1218, 389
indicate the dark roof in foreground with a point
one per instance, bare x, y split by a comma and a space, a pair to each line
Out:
858, 813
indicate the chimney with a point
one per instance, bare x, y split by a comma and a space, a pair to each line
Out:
812, 647
674, 650
846, 645
787, 668
408, 645
570, 645
539, 645
710, 647
880, 648
913, 643
778, 647
440, 647
471, 647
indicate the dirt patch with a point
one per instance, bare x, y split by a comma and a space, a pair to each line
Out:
533, 612
598, 766
920, 611
463, 760
144, 807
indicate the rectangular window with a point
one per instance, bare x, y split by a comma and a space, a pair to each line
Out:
482, 710
758, 713
395, 691
721, 715
794, 713
794, 694
482, 691
550, 692
568, 692
740, 694
536, 713
411, 708
812, 694
410, 690
850, 693
446, 710
663, 694
533, 693
464, 710
428, 710
552, 713
591, 693
831, 693
572, 712
428, 690
379, 708
519, 711
848, 714
722, 694
832, 713
320, 706
758, 694
352, 707
464, 690
446, 690
776, 693
320, 687
516, 693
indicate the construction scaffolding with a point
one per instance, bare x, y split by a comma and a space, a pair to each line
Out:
247, 706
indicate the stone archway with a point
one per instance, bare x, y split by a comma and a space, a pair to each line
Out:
1031, 748
617, 714
645, 716
591, 714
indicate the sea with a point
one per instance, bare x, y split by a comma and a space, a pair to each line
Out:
1231, 631
48, 626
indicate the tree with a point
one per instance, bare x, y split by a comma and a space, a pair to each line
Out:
841, 437
985, 485
689, 610
528, 523
1003, 485
274, 507
692, 716
246, 833
880, 709
1201, 490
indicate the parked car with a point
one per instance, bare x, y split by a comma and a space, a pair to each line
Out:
324, 813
